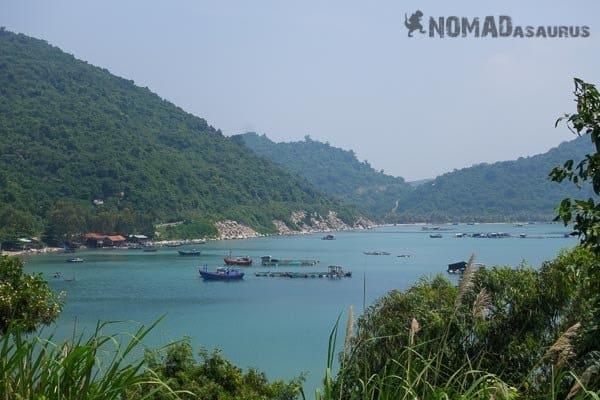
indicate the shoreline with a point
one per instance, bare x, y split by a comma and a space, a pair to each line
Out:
161, 243
32, 252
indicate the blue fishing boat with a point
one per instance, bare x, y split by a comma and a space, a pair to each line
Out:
221, 274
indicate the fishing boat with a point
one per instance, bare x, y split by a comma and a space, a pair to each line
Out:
243, 261
75, 260
221, 274
192, 252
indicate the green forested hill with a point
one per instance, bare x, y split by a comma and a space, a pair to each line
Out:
503, 191
334, 171
72, 133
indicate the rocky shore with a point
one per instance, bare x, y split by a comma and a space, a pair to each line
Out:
32, 252
229, 229
308, 223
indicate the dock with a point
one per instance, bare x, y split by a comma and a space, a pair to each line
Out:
334, 272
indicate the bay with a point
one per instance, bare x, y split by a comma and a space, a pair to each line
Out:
277, 325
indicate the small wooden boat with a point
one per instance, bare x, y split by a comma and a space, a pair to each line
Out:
75, 260
221, 274
192, 252
243, 261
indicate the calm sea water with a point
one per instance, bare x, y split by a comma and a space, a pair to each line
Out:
278, 325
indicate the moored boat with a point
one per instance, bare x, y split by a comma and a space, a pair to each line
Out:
457, 267
328, 237
461, 266
75, 260
221, 274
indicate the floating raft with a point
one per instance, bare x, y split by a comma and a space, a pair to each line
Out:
268, 261
334, 272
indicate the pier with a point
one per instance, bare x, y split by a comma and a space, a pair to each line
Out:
268, 261
334, 272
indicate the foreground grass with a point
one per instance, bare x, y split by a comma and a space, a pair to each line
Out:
92, 368
413, 374
100, 368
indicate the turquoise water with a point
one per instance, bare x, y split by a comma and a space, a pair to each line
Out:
278, 325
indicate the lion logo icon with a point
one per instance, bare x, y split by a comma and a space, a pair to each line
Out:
414, 23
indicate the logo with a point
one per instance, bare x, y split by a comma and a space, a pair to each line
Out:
488, 27
414, 23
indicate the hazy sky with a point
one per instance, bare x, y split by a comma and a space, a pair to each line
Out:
341, 71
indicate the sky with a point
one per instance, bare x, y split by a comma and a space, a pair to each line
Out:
343, 72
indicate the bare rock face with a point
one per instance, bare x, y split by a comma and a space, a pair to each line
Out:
233, 230
298, 217
308, 223
363, 223
282, 228
315, 222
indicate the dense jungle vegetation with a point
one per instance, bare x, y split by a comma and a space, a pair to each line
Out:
72, 133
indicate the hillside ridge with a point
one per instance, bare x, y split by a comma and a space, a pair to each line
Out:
501, 191
83, 150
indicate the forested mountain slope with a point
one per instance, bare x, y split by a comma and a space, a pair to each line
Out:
502, 191
334, 171
72, 133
